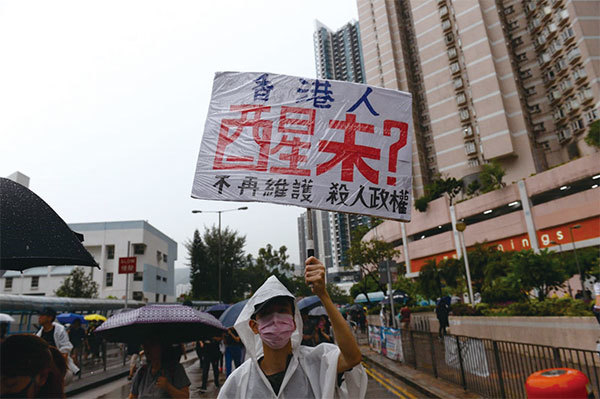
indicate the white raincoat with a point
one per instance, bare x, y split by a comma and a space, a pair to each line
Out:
311, 373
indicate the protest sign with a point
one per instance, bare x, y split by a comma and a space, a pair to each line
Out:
314, 143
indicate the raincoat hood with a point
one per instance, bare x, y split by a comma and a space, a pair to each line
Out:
271, 288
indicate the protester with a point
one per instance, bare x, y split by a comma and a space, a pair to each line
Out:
133, 350
320, 332
162, 376
77, 337
55, 335
270, 327
30, 368
405, 316
442, 311
233, 350
210, 358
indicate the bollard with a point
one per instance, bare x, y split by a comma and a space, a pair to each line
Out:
558, 383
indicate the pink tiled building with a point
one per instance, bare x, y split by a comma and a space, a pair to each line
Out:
512, 81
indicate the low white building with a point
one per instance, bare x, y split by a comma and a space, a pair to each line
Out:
154, 280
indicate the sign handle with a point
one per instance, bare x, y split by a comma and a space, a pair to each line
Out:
310, 242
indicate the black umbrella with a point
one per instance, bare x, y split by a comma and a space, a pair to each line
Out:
170, 323
32, 234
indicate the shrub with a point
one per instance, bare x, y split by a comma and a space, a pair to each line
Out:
420, 309
464, 309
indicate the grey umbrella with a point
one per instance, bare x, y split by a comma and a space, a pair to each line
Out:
32, 234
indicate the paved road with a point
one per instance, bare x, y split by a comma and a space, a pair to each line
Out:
380, 386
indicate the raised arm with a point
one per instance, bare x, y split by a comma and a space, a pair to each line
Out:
315, 274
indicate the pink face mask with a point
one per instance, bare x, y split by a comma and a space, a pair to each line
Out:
276, 329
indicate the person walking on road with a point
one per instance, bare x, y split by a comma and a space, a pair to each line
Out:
233, 350
270, 327
159, 377
55, 335
77, 337
442, 311
210, 358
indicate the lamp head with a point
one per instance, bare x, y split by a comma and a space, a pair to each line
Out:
243, 208
196, 211
461, 226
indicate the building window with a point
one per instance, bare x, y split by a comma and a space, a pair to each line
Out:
458, 83
8, 283
156, 297
464, 114
164, 279
139, 249
109, 279
35, 282
591, 116
470, 147
138, 295
165, 257
158, 256
157, 278
473, 162
110, 252
138, 276
164, 298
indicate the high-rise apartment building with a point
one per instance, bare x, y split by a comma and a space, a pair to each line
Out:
512, 81
338, 55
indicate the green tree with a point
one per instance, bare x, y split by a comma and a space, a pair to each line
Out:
542, 272
337, 295
491, 177
593, 136
203, 255
437, 279
436, 189
78, 284
589, 262
366, 284
367, 255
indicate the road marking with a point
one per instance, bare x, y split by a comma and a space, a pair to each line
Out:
389, 385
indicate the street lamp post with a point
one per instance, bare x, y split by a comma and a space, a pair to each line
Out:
577, 226
461, 226
243, 208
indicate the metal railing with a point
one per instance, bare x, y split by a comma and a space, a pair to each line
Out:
494, 369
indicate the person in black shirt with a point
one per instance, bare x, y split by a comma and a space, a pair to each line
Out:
210, 357
233, 350
76, 336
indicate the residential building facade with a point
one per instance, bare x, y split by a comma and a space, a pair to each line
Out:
511, 81
153, 281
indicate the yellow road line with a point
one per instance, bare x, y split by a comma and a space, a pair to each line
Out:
390, 386
406, 393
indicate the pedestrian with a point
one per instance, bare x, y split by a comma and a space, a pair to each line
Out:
270, 327
233, 350
133, 350
159, 377
31, 368
77, 337
55, 335
321, 332
210, 358
405, 316
442, 311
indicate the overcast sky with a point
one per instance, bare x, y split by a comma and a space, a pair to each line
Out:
103, 103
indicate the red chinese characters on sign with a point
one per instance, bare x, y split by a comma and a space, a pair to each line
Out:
295, 126
303, 126
231, 129
127, 265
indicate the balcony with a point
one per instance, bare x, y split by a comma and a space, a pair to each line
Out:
452, 53
464, 114
538, 127
579, 75
568, 35
468, 131
461, 99
545, 13
564, 134
563, 16
457, 83
572, 105
574, 55
566, 86
534, 25
449, 39
556, 3
526, 74
544, 58
554, 95
530, 7
444, 12
559, 114
512, 25
470, 148
549, 76
551, 29
455, 68
577, 126
585, 95
446, 25
560, 66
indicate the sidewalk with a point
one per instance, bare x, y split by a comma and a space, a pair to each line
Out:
430, 386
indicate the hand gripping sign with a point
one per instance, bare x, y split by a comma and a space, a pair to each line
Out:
314, 143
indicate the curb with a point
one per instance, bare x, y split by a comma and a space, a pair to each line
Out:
423, 389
